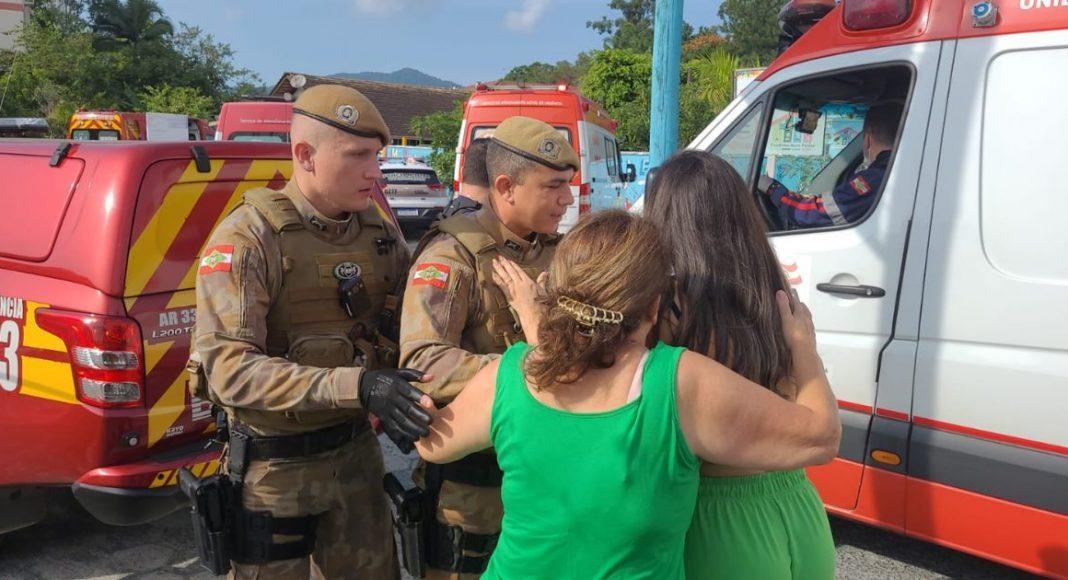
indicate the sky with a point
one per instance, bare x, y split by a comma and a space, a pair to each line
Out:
463, 41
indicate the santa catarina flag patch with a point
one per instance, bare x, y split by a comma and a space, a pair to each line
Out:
217, 259
431, 274
860, 185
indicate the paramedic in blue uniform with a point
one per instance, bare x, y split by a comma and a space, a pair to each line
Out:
850, 201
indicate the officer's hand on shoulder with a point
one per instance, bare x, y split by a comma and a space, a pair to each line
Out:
397, 404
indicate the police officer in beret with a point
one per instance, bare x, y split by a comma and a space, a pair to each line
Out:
456, 320
297, 295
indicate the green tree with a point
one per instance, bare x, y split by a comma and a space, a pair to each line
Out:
707, 88
184, 100
751, 28
633, 29
620, 80
61, 63
443, 128
133, 22
563, 71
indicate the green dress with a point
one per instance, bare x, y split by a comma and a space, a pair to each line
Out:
592, 495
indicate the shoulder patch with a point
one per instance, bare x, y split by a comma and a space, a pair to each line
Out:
860, 185
217, 259
431, 274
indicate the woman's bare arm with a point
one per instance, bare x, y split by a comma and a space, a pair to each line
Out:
462, 427
730, 420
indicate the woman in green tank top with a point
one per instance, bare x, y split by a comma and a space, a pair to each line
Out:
599, 438
750, 522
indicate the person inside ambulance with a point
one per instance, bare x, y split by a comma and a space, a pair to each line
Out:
851, 200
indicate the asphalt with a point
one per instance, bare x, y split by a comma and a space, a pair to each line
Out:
71, 544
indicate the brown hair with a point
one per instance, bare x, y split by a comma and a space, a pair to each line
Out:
606, 274
725, 269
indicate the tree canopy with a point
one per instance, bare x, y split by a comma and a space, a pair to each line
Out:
114, 54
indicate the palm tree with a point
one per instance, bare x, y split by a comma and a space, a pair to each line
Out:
133, 22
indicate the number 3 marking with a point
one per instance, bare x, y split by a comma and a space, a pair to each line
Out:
9, 362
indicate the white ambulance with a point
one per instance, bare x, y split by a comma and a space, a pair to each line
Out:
942, 312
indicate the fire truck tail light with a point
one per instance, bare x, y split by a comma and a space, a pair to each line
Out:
110, 394
872, 14
584, 199
94, 358
106, 355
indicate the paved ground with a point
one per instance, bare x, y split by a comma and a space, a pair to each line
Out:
70, 544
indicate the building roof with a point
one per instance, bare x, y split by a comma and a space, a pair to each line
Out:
398, 103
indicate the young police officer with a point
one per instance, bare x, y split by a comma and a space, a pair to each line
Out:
456, 320
295, 297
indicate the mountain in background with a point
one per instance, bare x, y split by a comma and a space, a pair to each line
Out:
404, 76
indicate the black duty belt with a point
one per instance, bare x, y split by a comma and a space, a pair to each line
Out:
478, 469
303, 444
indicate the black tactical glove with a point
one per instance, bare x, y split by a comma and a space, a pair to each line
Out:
389, 395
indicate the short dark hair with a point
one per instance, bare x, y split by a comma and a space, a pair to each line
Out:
882, 121
474, 168
501, 161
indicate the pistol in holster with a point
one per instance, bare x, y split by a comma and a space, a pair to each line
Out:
409, 508
213, 500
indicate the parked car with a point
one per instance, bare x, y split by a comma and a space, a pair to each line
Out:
414, 192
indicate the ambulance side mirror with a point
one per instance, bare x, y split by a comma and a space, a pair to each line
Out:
631, 175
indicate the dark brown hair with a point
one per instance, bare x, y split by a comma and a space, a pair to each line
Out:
613, 261
725, 269
474, 169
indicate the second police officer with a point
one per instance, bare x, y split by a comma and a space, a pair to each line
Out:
456, 320
297, 293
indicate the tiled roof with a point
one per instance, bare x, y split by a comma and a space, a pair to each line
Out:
397, 103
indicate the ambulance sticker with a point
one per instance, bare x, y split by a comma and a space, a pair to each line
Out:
217, 259
860, 184
431, 274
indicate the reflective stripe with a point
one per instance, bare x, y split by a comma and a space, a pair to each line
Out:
831, 206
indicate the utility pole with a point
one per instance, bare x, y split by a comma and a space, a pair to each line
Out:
667, 54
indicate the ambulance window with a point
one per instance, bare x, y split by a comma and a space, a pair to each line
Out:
817, 169
1022, 149
737, 147
487, 131
611, 156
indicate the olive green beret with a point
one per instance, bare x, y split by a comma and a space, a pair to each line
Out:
345, 108
537, 141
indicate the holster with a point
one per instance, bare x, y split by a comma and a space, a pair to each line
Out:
213, 501
446, 544
408, 510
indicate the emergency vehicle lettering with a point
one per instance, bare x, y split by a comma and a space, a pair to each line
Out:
33, 362
1029, 4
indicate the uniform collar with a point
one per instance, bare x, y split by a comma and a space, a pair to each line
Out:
882, 159
509, 244
315, 221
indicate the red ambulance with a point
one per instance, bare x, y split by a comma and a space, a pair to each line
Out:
601, 178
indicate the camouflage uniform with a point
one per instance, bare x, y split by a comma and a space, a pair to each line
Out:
455, 324
456, 320
283, 358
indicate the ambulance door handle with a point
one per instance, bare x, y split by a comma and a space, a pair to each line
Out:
858, 290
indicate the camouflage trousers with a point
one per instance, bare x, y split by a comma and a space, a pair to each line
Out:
354, 534
475, 509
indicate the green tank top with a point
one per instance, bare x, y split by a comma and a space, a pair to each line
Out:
592, 495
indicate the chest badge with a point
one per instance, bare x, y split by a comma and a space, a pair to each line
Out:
347, 271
